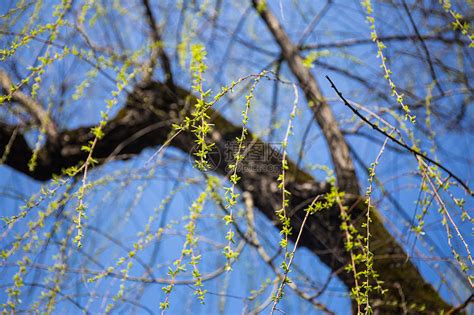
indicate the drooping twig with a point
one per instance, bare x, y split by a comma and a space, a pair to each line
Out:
400, 143
285, 280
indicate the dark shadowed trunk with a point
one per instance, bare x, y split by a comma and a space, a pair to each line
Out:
145, 122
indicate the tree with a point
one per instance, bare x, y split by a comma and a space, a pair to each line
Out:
97, 95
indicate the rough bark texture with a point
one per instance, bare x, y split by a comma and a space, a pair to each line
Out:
145, 121
338, 148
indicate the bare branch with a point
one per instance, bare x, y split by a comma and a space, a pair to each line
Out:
403, 145
158, 52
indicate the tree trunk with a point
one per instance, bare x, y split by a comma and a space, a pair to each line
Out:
146, 120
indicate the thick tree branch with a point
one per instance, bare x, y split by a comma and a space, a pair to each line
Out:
35, 109
146, 121
343, 166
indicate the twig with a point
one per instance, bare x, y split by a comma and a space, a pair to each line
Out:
416, 153
459, 308
425, 48
292, 255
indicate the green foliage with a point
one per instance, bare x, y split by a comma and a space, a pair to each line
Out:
189, 248
202, 127
367, 4
58, 215
231, 196
459, 23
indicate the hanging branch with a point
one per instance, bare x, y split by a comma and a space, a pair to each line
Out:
403, 145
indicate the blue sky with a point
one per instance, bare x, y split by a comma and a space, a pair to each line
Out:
120, 208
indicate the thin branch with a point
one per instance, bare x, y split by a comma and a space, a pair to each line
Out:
158, 51
458, 309
366, 41
292, 256
317, 18
403, 145
425, 48
343, 165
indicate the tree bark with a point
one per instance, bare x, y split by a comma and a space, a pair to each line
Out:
145, 121
338, 148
